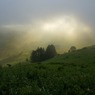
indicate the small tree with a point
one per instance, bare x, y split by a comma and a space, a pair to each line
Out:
50, 51
33, 56
72, 49
40, 54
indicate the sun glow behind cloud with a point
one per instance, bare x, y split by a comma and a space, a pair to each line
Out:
68, 26
63, 31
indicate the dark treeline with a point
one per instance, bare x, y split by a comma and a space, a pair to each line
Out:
40, 54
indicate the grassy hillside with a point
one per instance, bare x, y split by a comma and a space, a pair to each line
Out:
84, 55
14, 59
67, 74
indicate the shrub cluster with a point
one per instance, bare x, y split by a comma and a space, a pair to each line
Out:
40, 54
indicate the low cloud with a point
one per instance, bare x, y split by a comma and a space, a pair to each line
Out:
62, 31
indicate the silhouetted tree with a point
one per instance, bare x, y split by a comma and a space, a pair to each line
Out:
72, 49
50, 51
33, 56
40, 54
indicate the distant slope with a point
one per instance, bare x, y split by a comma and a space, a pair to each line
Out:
13, 42
22, 56
84, 55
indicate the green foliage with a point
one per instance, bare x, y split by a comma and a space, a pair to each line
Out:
50, 51
40, 54
69, 74
48, 79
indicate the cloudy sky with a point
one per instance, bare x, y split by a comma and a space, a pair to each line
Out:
24, 11
60, 22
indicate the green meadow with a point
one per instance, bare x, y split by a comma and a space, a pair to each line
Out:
67, 74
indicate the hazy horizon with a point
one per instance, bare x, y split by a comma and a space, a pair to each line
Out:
28, 24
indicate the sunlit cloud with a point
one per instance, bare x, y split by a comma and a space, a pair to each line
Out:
63, 31
68, 26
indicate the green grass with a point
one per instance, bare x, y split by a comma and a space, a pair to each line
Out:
68, 74
85, 55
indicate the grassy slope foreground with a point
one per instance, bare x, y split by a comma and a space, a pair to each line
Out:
68, 74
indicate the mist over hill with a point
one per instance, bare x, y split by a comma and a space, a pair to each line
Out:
16, 41
47, 47
61, 31
26, 25
9, 43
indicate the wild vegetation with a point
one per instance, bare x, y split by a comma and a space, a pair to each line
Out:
40, 54
72, 73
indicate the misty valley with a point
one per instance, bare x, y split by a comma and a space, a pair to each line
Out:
47, 47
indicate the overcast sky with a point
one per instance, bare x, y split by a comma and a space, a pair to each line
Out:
24, 11
61, 22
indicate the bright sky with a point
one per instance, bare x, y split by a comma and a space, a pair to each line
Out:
22, 11
70, 22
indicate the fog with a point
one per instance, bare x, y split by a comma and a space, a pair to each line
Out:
63, 32
26, 25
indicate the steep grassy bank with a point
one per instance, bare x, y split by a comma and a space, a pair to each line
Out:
68, 74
